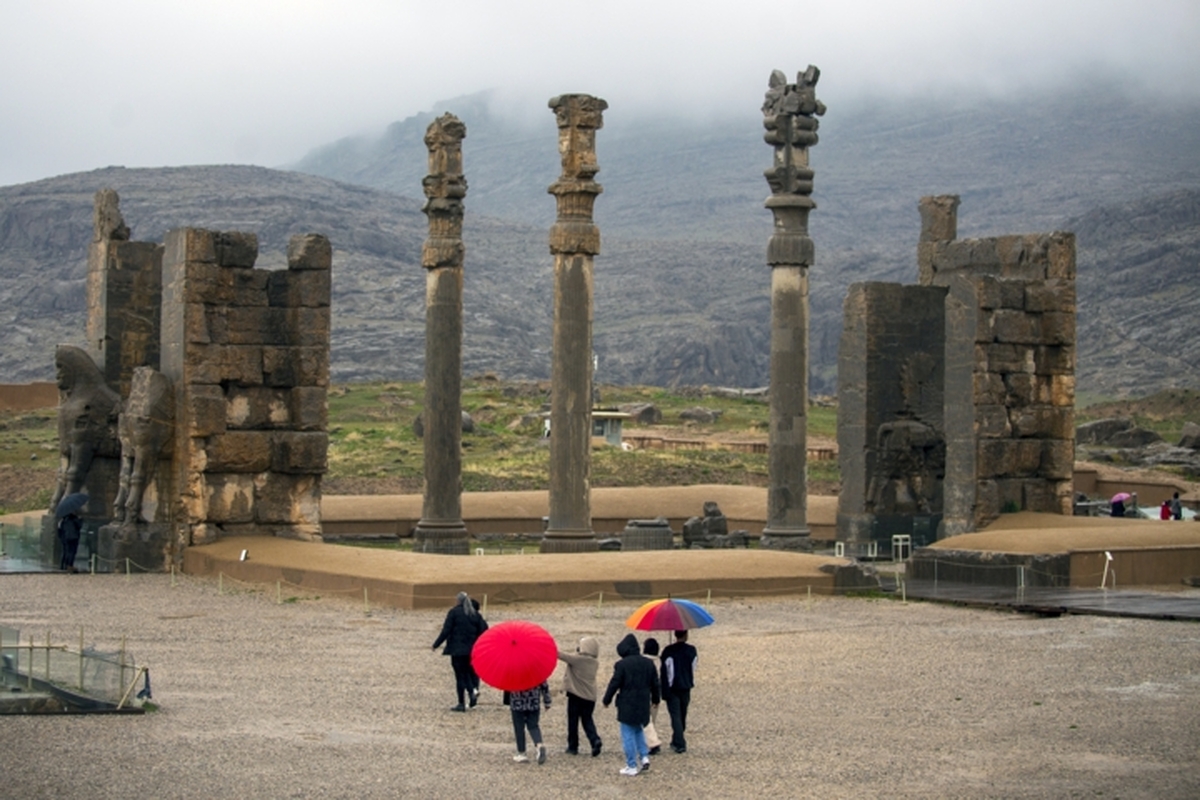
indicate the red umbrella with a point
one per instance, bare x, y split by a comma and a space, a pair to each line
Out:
515, 655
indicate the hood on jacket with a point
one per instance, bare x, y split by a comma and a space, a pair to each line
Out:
628, 646
589, 646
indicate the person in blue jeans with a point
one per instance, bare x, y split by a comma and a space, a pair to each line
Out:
635, 684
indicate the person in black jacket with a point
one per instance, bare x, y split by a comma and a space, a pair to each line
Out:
678, 678
462, 627
69, 529
635, 684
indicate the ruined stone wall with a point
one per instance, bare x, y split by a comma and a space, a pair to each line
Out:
1010, 367
124, 292
248, 352
891, 441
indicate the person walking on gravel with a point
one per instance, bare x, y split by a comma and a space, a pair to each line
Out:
635, 684
462, 627
579, 683
678, 678
526, 711
650, 651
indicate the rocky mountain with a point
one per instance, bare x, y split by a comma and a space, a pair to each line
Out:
681, 283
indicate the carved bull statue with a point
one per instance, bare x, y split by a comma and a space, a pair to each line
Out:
87, 419
145, 427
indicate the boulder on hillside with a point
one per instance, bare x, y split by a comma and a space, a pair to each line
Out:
1190, 437
642, 413
700, 414
1134, 437
1100, 431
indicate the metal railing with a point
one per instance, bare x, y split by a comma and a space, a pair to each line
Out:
87, 678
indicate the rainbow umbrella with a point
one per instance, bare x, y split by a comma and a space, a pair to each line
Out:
671, 614
514, 656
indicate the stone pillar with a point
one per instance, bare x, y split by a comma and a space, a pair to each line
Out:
124, 292
574, 240
789, 116
441, 528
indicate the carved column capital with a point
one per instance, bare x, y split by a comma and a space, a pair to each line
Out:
445, 187
579, 116
789, 117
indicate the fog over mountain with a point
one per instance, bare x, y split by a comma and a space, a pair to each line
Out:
682, 288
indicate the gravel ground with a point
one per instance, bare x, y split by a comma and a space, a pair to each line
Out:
830, 698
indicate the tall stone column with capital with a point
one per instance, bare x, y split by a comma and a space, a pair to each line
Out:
574, 241
441, 528
789, 116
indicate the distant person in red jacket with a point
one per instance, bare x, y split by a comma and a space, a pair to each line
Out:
1165, 511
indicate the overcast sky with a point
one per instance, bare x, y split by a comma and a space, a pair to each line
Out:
92, 83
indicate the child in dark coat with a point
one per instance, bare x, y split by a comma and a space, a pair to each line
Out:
526, 709
635, 685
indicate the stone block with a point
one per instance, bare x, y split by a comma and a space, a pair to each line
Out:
300, 288
184, 245
1017, 327
1020, 389
926, 256
296, 366
195, 323
281, 498
939, 217
242, 364
257, 407
236, 249
989, 388
1010, 493
1058, 328
1056, 295
239, 451
229, 497
300, 452
1038, 495
309, 408
991, 422
987, 499
247, 529
987, 292
252, 325
985, 326
1029, 421
1061, 256
309, 252
248, 287
1058, 459
1003, 357
1062, 391
1004, 458
1054, 360
205, 409
306, 327
204, 533
1012, 294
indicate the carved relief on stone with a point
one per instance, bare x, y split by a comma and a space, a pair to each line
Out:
145, 427
87, 419
789, 117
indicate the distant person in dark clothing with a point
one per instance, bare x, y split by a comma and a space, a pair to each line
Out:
69, 528
1176, 507
1118, 508
462, 627
635, 685
678, 679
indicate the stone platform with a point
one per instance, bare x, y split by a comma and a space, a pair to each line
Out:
417, 580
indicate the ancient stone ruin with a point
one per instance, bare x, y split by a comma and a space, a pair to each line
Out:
956, 396
790, 114
441, 528
201, 410
574, 241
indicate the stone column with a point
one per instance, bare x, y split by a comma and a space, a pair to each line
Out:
788, 116
441, 528
574, 240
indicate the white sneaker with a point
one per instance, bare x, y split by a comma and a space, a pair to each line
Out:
631, 771
541, 756
521, 758
645, 763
